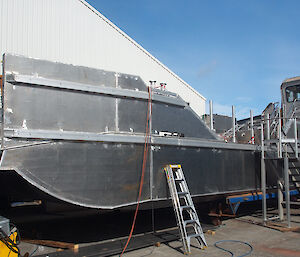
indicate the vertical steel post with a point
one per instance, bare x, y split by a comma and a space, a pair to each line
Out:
263, 176
251, 127
279, 138
152, 85
211, 115
151, 160
268, 126
287, 188
280, 199
233, 125
2, 103
296, 137
284, 114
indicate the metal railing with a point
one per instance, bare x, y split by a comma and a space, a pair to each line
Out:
285, 142
278, 135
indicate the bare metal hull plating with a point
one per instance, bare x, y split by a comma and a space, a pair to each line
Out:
77, 134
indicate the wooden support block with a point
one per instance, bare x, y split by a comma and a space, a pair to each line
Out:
157, 244
282, 227
54, 244
277, 226
210, 232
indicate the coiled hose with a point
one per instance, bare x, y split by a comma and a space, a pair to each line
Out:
233, 241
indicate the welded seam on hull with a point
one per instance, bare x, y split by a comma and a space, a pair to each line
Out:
117, 92
124, 138
25, 145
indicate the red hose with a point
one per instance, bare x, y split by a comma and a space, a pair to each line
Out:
146, 149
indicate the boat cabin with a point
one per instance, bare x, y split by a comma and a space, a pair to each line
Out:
290, 95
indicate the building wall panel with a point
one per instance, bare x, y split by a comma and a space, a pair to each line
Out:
73, 32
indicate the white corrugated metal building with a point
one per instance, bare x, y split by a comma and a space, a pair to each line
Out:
72, 31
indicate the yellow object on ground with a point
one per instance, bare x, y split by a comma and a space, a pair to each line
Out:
4, 249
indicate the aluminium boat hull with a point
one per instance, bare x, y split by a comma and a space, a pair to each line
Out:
77, 134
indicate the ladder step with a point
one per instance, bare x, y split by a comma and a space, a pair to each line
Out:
294, 168
188, 222
186, 207
295, 175
182, 193
292, 185
295, 180
175, 166
194, 235
293, 159
175, 175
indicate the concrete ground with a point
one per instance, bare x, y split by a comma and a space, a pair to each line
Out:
90, 231
265, 242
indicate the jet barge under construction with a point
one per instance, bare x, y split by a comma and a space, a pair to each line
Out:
77, 134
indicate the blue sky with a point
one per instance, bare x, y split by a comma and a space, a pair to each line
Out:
235, 52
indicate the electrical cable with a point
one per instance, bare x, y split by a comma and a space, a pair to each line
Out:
146, 148
233, 241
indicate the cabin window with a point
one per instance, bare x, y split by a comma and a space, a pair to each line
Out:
293, 93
